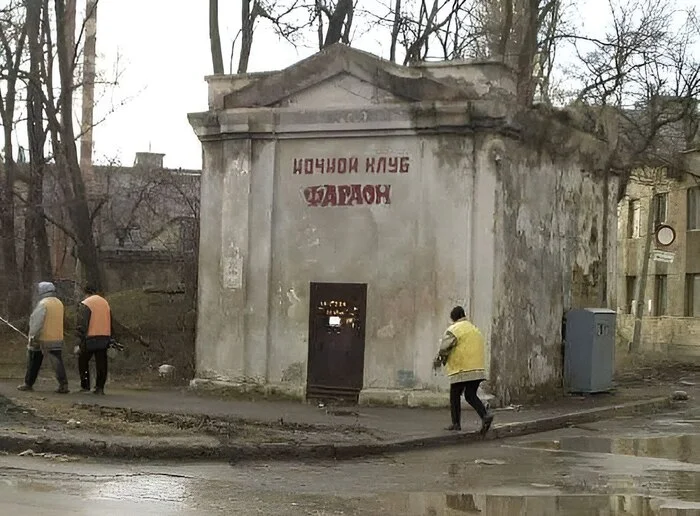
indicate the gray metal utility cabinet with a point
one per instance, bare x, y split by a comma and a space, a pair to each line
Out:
589, 350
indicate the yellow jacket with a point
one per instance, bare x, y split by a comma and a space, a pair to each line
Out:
463, 352
46, 323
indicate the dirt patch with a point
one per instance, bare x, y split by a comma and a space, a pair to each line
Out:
96, 419
663, 372
13, 414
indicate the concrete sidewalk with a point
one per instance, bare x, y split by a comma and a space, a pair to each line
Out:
379, 429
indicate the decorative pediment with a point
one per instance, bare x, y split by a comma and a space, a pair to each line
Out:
336, 74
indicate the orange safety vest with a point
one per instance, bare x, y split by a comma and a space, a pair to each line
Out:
100, 318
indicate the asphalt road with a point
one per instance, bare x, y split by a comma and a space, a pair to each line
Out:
641, 467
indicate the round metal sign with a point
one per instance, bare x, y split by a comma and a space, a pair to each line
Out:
665, 235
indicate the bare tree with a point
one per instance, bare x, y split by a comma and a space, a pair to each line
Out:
60, 123
13, 33
36, 238
215, 37
638, 88
250, 11
522, 33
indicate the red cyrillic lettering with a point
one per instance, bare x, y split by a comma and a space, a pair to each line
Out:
308, 166
353, 165
331, 196
343, 194
342, 165
319, 165
381, 165
368, 194
313, 195
383, 192
393, 165
369, 165
298, 163
330, 166
403, 164
355, 196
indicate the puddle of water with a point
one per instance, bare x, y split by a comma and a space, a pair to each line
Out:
683, 448
512, 504
153, 488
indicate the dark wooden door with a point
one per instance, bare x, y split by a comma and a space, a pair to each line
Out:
336, 340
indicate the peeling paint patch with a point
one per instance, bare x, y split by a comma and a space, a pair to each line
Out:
296, 306
405, 379
387, 332
294, 373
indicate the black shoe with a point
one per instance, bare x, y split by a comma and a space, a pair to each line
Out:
486, 424
100, 392
25, 387
83, 390
63, 389
454, 428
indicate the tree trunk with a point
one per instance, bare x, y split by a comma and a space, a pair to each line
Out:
67, 155
36, 238
604, 255
88, 104
215, 38
640, 290
7, 200
527, 53
342, 11
506, 28
395, 28
247, 22
7, 223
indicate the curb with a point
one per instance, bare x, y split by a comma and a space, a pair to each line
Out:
161, 449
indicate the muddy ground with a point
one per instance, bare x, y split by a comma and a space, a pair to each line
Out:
647, 466
36, 413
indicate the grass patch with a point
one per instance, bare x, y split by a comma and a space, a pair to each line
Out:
162, 320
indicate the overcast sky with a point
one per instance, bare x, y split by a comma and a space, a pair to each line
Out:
162, 49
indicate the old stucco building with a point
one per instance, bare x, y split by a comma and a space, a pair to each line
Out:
671, 318
348, 203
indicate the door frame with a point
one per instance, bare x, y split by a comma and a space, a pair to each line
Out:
335, 392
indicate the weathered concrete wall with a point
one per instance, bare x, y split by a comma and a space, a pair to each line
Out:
416, 259
129, 270
411, 247
550, 238
498, 215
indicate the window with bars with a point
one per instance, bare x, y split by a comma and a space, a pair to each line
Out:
694, 208
660, 205
631, 284
660, 295
634, 218
692, 295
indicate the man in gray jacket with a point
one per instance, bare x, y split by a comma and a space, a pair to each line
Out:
46, 336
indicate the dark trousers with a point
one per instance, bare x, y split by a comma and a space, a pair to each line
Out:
34, 361
100, 368
469, 389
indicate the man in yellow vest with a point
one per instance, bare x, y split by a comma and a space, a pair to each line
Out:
462, 352
94, 327
46, 336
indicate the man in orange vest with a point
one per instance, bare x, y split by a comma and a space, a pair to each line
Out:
94, 327
46, 336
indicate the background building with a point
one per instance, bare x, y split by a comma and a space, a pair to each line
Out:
671, 319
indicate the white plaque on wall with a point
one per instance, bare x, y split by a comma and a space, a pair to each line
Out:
233, 269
